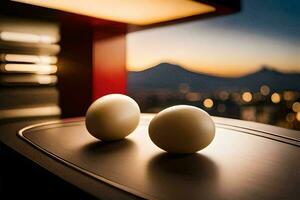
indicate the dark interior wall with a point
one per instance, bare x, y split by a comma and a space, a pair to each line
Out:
75, 69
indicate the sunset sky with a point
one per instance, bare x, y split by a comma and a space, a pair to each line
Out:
265, 32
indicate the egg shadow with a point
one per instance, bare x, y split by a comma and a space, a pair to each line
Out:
100, 147
174, 176
98, 155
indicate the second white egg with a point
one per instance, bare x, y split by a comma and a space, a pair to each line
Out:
182, 129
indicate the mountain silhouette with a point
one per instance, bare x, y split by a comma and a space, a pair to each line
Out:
168, 76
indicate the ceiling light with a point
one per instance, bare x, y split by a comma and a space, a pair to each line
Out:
138, 12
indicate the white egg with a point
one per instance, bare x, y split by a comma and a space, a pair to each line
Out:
112, 117
182, 129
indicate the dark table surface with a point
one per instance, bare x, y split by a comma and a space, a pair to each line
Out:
246, 160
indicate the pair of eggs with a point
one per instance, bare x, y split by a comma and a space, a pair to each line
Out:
177, 129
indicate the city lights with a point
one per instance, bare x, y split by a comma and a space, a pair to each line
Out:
247, 97
275, 98
236, 97
265, 90
184, 88
246, 105
296, 107
290, 117
288, 95
193, 96
208, 103
298, 116
224, 95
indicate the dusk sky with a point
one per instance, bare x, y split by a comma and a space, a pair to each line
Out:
265, 32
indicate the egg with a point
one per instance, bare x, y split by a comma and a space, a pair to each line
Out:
112, 117
182, 129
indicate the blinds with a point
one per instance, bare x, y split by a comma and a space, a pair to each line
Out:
28, 69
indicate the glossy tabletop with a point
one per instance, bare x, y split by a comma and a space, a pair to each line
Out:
245, 161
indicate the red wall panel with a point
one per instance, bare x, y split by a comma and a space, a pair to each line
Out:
109, 64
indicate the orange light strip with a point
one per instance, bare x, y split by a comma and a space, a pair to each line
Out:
30, 58
30, 68
26, 37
